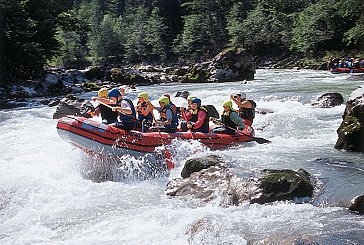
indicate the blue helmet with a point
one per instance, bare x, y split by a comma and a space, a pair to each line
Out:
197, 101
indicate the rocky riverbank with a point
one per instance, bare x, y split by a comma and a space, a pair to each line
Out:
229, 65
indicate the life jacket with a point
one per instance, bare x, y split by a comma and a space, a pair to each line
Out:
141, 117
108, 114
129, 120
163, 117
205, 126
248, 114
230, 125
176, 109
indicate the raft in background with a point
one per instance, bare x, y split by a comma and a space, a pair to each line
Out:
96, 137
346, 70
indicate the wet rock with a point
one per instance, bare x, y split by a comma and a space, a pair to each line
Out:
205, 185
91, 86
357, 204
329, 100
181, 71
115, 75
323, 66
149, 68
351, 130
11, 104
228, 66
57, 88
71, 105
260, 187
120, 76
284, 185
183, 94
197, 164
263, 111
53, 102
95, 72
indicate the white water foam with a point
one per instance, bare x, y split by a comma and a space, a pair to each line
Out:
46, 200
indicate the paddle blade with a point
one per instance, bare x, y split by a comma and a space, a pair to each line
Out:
261, 140
169, 162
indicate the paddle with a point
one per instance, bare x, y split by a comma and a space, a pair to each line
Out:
183, 113
170, 164
256, 139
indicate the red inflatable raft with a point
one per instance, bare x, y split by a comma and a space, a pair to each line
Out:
347, 70
108, 140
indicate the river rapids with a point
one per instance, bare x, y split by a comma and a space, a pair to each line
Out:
48, 197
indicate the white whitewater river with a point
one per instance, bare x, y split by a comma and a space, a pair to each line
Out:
45, 197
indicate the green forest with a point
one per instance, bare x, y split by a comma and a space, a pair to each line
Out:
77, 33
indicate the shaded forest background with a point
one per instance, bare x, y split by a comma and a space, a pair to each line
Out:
78, 33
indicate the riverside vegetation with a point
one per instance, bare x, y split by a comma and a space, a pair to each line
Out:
75, 34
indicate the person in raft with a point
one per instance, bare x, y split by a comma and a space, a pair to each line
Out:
232, 122
125, 108
189, 101
108, 116
144, 110
172, 105
196, 118
113, 97
246, 107
168, 119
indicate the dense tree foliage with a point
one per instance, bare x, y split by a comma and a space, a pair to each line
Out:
75, 33
28, 35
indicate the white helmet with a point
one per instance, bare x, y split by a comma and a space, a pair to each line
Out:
242, 95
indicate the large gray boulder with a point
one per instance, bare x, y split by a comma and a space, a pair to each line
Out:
197, 164
71, 105
218, 182
284, 184
330, 99
351, 130
357, 204
229, 65
183, 94
95, 72
126, 77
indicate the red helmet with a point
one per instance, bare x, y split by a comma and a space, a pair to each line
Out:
168, 96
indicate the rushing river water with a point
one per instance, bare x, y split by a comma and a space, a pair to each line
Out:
45, 198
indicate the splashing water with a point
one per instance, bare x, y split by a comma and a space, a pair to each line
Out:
51, 192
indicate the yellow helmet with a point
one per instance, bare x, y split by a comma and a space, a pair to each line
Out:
103, 93
191, 97
164, 100
143, 95
228, 103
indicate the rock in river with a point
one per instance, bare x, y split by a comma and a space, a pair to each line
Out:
351, 130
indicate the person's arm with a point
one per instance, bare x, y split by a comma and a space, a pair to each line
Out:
189, 115
151, 105
111, 101
125, 108
237, 120
244, 104
201, 118
237, 102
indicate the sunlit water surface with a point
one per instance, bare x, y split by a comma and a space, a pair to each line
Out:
45, 197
